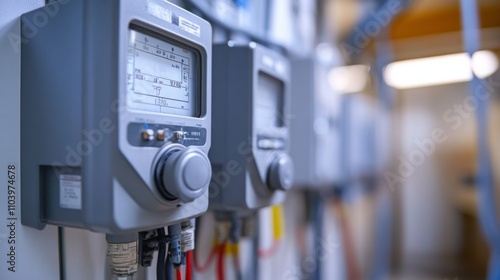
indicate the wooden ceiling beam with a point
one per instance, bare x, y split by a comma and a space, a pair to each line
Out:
436, 21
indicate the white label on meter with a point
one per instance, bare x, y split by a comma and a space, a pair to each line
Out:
164, 14
189, 26
70, 192
159, 12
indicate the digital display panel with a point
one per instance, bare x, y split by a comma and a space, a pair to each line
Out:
162, 76
269, 102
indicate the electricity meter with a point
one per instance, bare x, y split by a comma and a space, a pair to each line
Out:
116, 114
360, 117
250, 140
316, 127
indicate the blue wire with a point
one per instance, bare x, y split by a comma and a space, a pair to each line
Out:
381, 264
241, 3
494, 269
486, 193
169, 270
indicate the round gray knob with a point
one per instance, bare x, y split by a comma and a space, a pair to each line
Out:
280, 176
184, 173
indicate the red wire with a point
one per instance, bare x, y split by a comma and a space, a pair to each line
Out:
204, 267
349, 253
220, 261
189, 269
271, 251
178, 274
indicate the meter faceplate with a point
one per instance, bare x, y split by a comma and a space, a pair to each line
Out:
162, 75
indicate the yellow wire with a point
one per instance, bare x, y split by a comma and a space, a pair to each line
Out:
232, 249
278, 221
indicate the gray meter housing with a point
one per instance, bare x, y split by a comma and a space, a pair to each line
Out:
250, 140
316, 127
116, 114
360, 116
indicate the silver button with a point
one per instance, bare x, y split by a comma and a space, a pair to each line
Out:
148, 135
160, 135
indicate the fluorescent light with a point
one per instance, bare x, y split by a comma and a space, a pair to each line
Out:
484, 63
349, 79
440, 70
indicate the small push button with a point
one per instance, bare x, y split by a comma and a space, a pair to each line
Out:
160, 135
180, 135
148, 135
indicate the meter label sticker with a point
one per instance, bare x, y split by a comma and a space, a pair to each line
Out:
189, 26
70, 192
159, 12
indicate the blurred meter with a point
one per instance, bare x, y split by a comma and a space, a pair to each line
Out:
250, 140
360, 118
116, 116
316, 125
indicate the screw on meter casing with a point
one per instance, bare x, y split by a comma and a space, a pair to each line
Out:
90, 103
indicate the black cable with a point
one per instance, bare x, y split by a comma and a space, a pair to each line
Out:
234, 237
317, 220
60, 243
162, 253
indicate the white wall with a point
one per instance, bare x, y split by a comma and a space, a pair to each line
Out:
430, 221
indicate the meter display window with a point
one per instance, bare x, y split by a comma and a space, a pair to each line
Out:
163, 76
269, 102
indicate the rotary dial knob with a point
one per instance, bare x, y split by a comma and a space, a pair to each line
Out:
280, 175
182, 173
